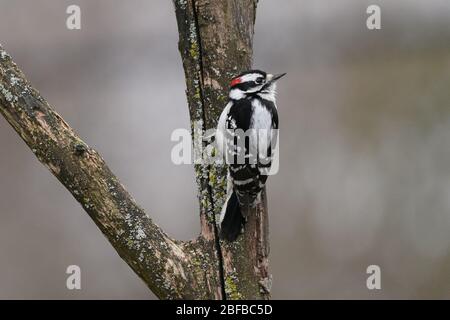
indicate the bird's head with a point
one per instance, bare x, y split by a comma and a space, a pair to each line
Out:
254, 82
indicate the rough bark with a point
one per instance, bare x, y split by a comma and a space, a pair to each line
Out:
216, 40
215, 44
171, 269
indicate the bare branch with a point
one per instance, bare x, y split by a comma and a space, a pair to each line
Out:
215, 44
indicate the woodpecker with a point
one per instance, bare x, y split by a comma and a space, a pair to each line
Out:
250, 111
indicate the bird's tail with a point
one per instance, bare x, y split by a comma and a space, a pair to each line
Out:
231, 219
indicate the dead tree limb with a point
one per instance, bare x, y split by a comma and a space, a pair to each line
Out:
170, 269
215, 44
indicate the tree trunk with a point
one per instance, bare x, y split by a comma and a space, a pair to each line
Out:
216, 39
215, 44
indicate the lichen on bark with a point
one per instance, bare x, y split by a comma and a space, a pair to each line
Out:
219, 48
215, 44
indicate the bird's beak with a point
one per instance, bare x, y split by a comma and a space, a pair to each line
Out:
277, 76
273, 78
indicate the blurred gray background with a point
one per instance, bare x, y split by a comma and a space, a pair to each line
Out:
365, 150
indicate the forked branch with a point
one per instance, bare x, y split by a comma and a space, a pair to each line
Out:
215, 43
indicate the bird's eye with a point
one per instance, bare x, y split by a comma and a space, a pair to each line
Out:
259, 80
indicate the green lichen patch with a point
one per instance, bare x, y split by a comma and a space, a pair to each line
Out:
231, 288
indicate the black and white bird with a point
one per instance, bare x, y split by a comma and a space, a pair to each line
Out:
251, 109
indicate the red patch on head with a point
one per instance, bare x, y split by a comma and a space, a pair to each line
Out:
235, 81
